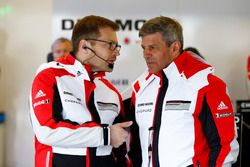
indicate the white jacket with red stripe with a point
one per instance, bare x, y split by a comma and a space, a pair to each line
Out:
182, 117
70, 112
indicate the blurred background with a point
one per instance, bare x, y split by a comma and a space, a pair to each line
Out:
220, 30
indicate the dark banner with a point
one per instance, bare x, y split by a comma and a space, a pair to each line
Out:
242, 118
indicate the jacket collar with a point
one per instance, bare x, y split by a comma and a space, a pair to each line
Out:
70, 62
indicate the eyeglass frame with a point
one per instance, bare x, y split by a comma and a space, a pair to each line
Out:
110, 43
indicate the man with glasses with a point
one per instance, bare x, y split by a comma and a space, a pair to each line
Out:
111, 45
74, 108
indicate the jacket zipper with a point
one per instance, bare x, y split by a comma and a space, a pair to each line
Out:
150, 145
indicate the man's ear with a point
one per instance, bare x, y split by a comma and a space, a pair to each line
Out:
83, 46
176, 46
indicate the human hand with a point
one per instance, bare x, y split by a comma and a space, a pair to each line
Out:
118, 134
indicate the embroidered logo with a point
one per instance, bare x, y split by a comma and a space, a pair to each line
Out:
79, 73
40, 94
46, 101
222, 106
218, 115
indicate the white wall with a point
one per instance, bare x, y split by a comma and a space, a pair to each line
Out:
219, 29
25, 37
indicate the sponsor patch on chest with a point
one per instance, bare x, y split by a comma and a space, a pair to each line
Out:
144, 107
177, 105
145, 104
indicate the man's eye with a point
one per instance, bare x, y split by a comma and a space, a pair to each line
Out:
151, 48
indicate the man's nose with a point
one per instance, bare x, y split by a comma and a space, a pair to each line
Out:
147, 53
116, 52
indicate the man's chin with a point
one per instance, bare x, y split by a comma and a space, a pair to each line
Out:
153, 71
102, 69
106, 69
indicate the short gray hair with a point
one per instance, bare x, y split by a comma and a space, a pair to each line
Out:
170, 29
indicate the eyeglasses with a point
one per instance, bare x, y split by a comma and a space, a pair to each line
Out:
112, 46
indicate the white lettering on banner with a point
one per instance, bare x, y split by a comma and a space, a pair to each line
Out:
245, 105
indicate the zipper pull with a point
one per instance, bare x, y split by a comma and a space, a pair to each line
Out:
150, 145
149, 154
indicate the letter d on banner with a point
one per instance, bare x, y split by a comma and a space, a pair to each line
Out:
67, 24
